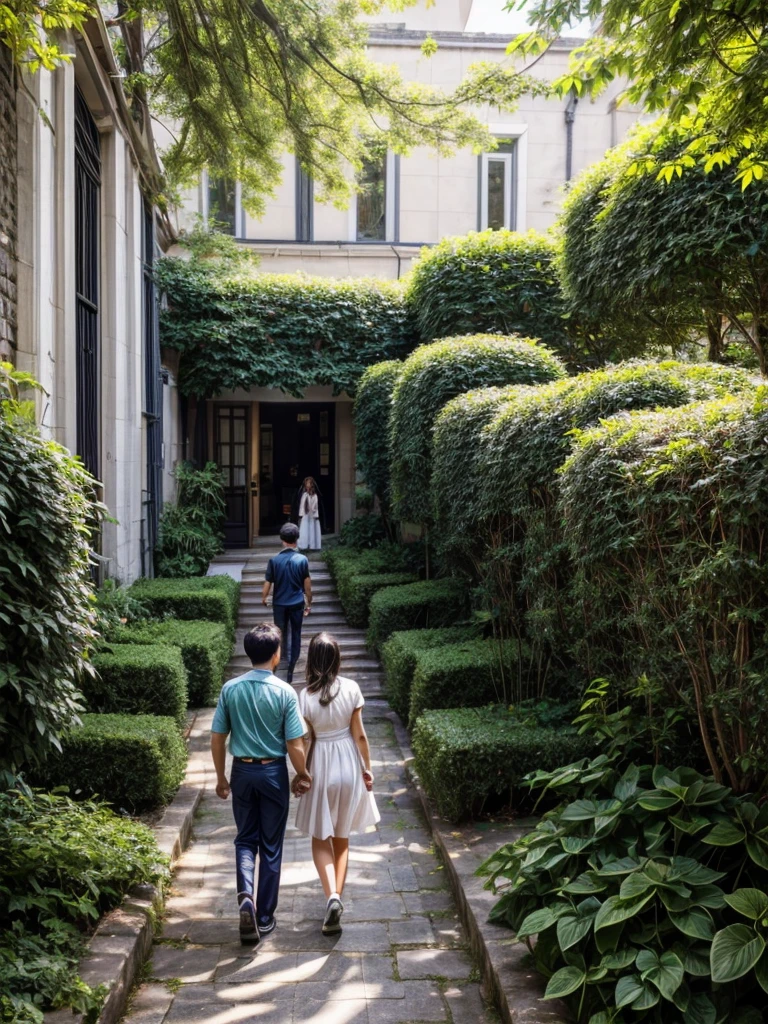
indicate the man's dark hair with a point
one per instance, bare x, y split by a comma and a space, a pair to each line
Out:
262, 642
289, 533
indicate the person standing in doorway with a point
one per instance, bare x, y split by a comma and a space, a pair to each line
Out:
310, 538
288, 572
260, 714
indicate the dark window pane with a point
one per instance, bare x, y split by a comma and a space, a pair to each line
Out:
221, 203
496, 176
372, 202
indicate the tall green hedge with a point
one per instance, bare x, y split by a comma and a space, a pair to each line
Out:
671, 572
285, 331
432, 376
373, 409
215, 598
413, 605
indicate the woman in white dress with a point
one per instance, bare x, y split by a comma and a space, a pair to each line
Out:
341, 800
309, 517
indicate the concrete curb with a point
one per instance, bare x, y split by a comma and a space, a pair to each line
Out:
513, 987
123, 938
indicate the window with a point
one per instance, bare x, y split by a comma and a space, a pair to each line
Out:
222, 204
498, 187
375, 208
304, 205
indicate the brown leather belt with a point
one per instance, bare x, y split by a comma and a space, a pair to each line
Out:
255, 760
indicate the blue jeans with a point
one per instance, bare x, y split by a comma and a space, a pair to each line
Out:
289, 619
260, 799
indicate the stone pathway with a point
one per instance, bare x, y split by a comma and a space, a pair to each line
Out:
402, 956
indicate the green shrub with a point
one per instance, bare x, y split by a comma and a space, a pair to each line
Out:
413, 605
138, 679
63, 865
432, 376
398, 657
206, 648
364, 531
357, 591
47, 613
215, 598
464, 675
115, 606
647, 891
134, 761
669, 555
471, 759
359, 572
373, 409
191, 530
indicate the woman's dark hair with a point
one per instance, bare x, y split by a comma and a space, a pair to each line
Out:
323, 661
261, 643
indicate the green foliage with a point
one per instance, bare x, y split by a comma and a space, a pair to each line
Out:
647, 893
432, 376
364, 498
138, 679
357, 591
471, 759
135, 761
467, 674
115, 605
278, 330
366, 531
47, 615
63, 865
215, 598
399, 653
20, 25
358, 574
205, 648
669, 564
373, 409
190, 530
414, 605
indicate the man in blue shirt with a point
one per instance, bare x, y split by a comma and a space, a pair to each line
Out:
260, 713
292, 599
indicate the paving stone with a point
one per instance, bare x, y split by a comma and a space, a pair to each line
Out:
191, 964
318, 1011
413, 931
428, 902
465, 1003
434, 963
419, 1002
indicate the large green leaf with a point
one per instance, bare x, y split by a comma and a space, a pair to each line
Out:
692, 872
758, 851
751, 903
735, 951
586, 883
696, 922
571, 928
632, 991
580, 810
724, 834
620, 866
701, 1010
696, 961
538, 921
615, 910
665, 971
658, 801
619, 961
564, 982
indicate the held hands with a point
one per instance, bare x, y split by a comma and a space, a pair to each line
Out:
368, 779
301, 784
307, 610
222, 789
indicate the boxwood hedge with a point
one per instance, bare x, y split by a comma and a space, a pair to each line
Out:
432, 376
359, 572
398, 658
473, 759
373, 409
205, 647
427, 603
215, 598
134, 761
138, 679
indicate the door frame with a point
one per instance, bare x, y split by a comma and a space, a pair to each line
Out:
212, 427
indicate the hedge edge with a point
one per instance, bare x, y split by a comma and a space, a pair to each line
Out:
131, 926
515, 991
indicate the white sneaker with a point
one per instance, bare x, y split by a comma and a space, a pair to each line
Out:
333, 912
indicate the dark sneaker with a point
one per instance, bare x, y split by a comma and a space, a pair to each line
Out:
267, 927
249, 933
332, 922
289, 674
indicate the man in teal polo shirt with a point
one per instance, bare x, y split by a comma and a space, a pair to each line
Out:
260, 713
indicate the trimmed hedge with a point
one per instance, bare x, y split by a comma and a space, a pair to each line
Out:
138, 679
398, 657
464, 675
134, 761
206, 648
427, 603
373, 409
356, 593
470, 758
359, 572
215, 598
432, 376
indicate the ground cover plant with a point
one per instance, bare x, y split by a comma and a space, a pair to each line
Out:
138, 679
64, 864
215, 598
423, 604
647, 890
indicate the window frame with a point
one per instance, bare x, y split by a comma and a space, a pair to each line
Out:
391, 206
239, 225
515, 177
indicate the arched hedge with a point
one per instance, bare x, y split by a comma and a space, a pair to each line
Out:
373, 409
432, 376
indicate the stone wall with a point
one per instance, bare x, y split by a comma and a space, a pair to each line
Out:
8, 200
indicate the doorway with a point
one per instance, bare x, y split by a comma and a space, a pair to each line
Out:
231, 441
296, 440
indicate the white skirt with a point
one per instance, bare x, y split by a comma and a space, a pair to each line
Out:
309, 534
338, 802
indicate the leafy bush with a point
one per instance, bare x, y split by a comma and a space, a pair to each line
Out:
205, 647
63, 865
115, 605
364, 498
215, 598
647, 891
191, 530
373, 409
427, 603
134, 761
47, 616
138, 679
474, 759
669, 556
357, 591
432, 376
398, 657
467, 674
286, 331
364, 531
360, 572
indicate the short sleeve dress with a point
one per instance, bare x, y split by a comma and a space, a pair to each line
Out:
338, 802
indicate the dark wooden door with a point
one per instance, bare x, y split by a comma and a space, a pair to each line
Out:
297, 440
231, 440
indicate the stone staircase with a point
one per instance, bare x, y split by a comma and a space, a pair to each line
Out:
326, 615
